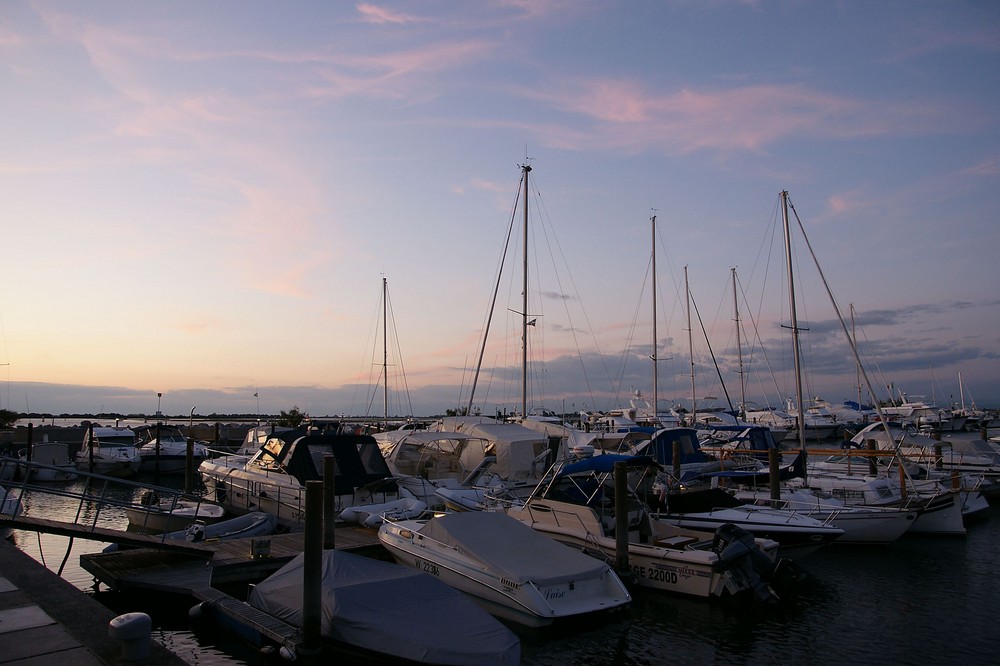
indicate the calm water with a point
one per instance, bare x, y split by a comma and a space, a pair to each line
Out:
920, 601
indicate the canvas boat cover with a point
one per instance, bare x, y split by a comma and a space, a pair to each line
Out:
392, 610
512, 549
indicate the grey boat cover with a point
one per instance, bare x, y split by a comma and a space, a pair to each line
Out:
512, 549
392, 610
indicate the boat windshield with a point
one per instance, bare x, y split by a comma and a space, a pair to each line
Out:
116, 441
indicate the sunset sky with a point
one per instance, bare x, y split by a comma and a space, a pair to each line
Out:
202, 199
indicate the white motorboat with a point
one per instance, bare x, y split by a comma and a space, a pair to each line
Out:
939, 511
167, 454
109, 451
274, 479
383, 611
510, 569
49, 463
572, 505
861, 524
709, 508
153, 515
424, 460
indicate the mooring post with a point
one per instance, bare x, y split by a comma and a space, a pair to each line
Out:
156, 464
872, 460
312, 571
189, 465
773, 472
621, 516
677, 460
90, 445
329, 500
29, 443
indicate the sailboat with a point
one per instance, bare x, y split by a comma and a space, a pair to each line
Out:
939, 511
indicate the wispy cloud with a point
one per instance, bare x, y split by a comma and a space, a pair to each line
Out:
624, 115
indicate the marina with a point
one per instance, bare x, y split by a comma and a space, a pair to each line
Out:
845, 587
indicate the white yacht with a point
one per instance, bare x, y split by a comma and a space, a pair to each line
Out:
109, 450
274, 479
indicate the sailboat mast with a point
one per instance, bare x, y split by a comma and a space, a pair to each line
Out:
656, 382
524, 303
739, 349
694, 399
385, 355
854, 339
795, 324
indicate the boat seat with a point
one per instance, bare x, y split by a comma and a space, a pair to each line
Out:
675, 542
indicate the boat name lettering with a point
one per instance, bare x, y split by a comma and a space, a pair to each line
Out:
555, 594
429, 567
655, 574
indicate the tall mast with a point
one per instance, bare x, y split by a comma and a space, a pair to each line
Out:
739, 349
694, 399
854, 338
385, 356
524, 303
795, 324
656, 383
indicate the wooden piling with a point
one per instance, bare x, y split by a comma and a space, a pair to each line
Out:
189, 466
872, 461
312, 572
774, 469
621, 516
329, 500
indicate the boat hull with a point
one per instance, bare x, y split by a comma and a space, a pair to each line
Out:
529, 602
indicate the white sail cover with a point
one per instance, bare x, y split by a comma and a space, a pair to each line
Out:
392, 610
512, 549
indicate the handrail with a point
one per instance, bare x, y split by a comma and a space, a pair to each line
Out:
100, 501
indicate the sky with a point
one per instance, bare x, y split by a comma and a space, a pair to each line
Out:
204, 203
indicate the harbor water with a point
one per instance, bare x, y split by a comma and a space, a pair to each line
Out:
921, 600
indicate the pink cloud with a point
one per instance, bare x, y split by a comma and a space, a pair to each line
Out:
375, 14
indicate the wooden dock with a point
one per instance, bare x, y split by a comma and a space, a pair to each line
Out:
46, 621
216, 563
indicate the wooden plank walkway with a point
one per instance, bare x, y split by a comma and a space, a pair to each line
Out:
96, 533
46, 621
231, 562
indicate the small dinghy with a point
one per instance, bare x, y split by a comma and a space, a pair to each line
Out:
248, 525
372, 515
384, 610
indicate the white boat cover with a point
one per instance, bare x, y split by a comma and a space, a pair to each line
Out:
512, 549
392, 610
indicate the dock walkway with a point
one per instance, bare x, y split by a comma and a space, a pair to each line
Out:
46, 621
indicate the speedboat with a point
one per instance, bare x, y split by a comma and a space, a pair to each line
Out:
274, 479
155, 515
508, 568
572, 505
382, 610
109, 451
861, 524
709, 508
422, 461
167, 453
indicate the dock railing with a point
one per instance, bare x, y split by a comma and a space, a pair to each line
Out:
92, 504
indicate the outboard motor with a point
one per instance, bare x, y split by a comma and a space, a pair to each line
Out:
740, 556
